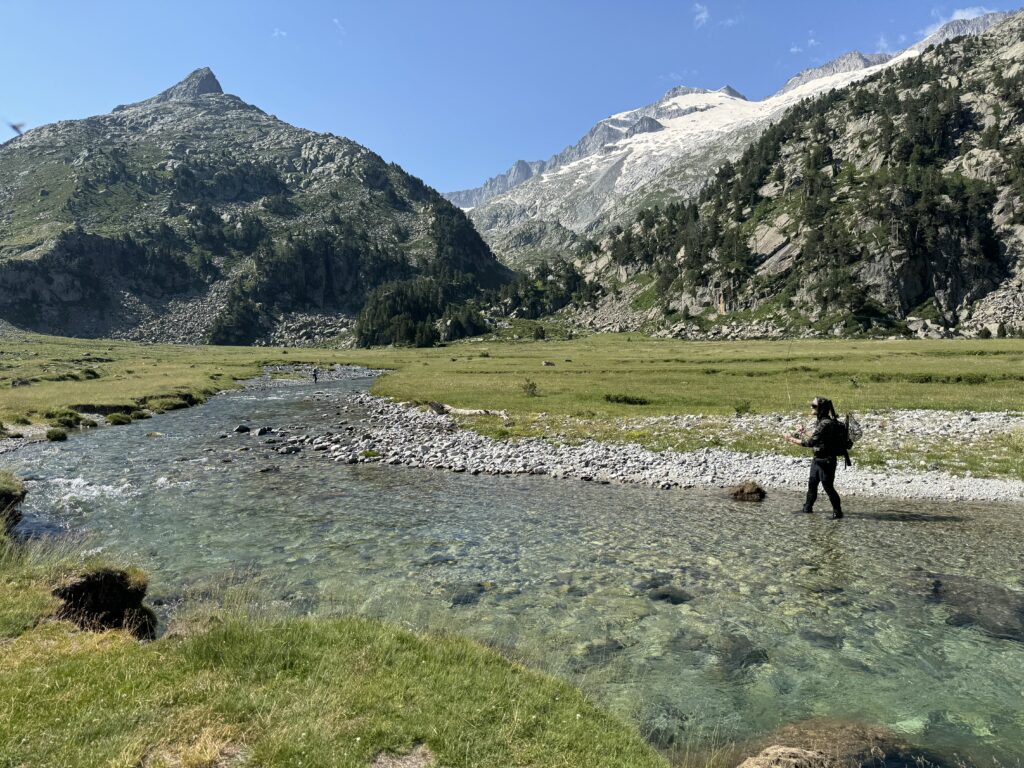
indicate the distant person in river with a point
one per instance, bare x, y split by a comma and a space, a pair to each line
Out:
829, 441
316, 375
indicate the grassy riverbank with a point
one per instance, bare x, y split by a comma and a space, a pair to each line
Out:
48, 373
227, 688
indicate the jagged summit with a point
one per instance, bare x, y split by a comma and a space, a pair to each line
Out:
682, 90
198, 83
960, 27
851, 61
728, 90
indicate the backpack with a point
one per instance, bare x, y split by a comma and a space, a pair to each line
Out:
842, 435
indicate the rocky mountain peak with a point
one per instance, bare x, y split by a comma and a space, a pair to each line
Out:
961, 27
198, 83
728, 90
682, 90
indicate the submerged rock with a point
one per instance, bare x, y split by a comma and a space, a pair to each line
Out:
995, 610
669, 594
466, 594
107, 598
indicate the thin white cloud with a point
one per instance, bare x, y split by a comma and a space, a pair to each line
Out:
278, 33
882, 44
701, 15
960, 14
812, 43
795, 49
339, 26
730, 22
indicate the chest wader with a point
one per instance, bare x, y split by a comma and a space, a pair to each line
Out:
823, 471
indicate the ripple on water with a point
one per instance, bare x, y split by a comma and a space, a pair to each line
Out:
683, 610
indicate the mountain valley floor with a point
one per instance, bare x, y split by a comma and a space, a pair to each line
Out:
946, 406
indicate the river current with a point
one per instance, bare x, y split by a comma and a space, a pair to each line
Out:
682, 610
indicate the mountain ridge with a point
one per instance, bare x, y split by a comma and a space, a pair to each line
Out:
608, 175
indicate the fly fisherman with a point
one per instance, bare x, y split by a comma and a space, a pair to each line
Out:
829, 442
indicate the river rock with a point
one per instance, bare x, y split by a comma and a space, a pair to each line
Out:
847, 744
748, 491
241, 429
788, 757
107, 598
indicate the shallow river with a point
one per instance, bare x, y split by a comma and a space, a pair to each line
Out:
782, 617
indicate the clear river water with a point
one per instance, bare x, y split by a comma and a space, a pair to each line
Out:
902, 614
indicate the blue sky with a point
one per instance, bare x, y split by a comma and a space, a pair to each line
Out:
453, 91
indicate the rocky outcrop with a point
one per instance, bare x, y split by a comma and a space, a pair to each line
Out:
107, 598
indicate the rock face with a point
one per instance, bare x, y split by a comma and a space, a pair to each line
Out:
107, 599
615, 170
193, 211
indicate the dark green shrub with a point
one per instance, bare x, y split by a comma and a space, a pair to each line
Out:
119, 419
530, 388
56, 435
627, 399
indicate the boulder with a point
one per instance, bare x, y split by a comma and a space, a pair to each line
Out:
107, 598
749, 490
241, 429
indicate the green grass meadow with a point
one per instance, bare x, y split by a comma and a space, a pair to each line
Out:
706, 377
